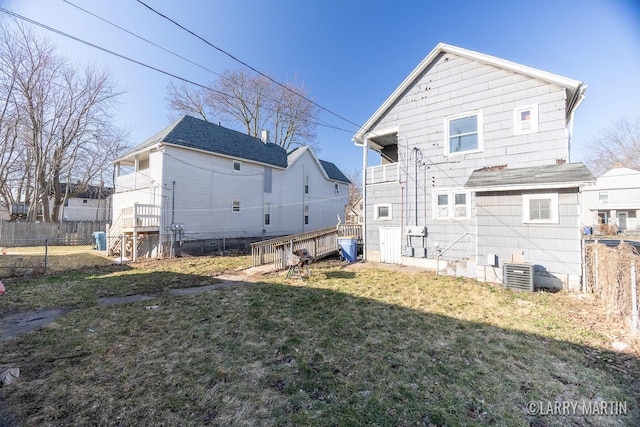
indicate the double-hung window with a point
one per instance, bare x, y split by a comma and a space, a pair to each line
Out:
267, 213
451, 204
463, 133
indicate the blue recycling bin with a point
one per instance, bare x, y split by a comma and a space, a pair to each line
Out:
349, 247
101, 240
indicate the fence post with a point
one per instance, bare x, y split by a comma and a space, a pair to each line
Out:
46, 254
634, 299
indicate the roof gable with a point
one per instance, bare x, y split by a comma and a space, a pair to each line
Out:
330, 170
198, 134
575, 89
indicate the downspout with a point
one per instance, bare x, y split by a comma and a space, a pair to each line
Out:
365, 162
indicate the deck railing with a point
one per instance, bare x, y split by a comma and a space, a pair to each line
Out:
320, 243
383, 173
141, 215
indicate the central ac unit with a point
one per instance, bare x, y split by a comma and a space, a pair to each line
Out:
518, 276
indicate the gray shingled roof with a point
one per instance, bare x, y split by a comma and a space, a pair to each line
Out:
552, 175
333, 172
195, 133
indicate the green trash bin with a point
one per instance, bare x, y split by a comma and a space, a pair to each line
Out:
100, 238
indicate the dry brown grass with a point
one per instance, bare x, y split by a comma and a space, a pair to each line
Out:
353, 344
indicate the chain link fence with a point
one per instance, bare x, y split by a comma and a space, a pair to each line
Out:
27, 257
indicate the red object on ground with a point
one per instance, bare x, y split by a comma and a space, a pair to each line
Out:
1, 288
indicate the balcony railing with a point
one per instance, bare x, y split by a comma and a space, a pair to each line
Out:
140, 215
132, 181
383, 173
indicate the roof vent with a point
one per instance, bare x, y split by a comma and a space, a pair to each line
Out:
518, 276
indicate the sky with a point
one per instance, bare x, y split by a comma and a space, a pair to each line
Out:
350, 54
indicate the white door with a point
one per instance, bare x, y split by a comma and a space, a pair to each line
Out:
622, 220
390, 245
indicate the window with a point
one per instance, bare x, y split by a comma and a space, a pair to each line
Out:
464, 133
235, 206
336, 188
540, 208
237, 166
451, 204
443, 206
84, 201
526, 119
267, 213
382, 212
306, 184
603, 197
306, 215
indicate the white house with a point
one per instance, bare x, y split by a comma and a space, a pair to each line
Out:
461, 119
613, 203
196, 183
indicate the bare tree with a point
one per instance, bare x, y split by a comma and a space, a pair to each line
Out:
60, 119
253, 102
617, 144
355, 188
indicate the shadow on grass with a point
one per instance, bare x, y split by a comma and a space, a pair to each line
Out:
340, 274
303, 355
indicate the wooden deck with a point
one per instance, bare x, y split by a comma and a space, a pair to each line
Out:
320, 243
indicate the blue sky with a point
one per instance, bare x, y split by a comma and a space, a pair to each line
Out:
350, 54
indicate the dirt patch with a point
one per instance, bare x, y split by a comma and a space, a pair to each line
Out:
17, 324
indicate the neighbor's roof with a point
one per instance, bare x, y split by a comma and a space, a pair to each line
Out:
201, 135
331, 171
575, 89
541, 177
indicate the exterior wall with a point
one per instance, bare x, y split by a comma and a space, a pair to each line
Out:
622, 185
87, 210
454, 85
198, 189
555, 249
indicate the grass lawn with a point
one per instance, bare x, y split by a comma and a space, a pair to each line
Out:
355, 344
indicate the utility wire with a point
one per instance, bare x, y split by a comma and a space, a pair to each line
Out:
48, 28
248, 66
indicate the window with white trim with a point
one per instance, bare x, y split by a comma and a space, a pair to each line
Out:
382, 212
603, 197
306, 184
235, 206
540, 208
267, 213
526, 119
306, 214
237, 166
336, 188
452, 204
463, 133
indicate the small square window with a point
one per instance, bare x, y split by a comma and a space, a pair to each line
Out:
382, 212
237, 166
235, 206
540, 208
526, 119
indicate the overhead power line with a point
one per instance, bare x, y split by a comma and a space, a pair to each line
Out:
126, 58
249, 66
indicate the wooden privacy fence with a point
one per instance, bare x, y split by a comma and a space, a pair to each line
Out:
320, 243
67, 230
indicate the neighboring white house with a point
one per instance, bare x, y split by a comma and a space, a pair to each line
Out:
92, 204
461, 113
195, 182
354, 212
614, 201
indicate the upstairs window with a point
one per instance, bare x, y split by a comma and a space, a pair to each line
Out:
306, 184
336, 188
603, 197
306, 215
463, 133
267, 213
526, 119
237, 166
235, 206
